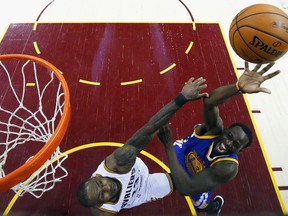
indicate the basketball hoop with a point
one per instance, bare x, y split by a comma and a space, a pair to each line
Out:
37, 115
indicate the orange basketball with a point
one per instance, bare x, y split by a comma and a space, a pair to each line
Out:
259, 33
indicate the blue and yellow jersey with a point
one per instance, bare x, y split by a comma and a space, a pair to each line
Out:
194, 152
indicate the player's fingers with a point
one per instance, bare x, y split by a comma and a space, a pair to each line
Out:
256, 67
166, 128
269, 76
201, 80
201, 87
246, 64
191, 80
266, 68
204, 95
265, 90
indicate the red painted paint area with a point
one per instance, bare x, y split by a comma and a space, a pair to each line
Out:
111, 54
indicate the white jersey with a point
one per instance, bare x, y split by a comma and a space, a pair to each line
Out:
138, 186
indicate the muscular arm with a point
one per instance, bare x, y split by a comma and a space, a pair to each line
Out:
145, 134
249, 83
123, 158
190, 92
212, 121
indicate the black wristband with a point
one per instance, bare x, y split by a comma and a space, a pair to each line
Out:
180, 99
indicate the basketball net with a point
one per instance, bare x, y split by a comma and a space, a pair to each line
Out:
33, 125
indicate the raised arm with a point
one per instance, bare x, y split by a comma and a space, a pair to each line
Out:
249, 82
190, 92
122, 159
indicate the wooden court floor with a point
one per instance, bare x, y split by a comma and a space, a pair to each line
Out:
119, 75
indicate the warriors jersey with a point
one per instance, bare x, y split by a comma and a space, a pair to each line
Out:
137, 186
194, 152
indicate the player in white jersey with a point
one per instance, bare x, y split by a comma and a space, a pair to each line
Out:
110, 188
138, 186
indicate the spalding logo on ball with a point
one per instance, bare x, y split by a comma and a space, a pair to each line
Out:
259, 33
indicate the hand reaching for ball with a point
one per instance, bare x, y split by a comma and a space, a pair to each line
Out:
251, 80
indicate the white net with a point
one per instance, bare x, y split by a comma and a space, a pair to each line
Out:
29, 114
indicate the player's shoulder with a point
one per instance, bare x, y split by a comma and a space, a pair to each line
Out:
125, 154
226, 169
122, 159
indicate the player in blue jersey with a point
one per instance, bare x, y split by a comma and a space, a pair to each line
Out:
208, 158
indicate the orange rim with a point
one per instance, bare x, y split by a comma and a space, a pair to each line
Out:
26, 170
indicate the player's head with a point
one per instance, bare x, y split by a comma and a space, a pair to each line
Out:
246, 130
98, 190
233, 139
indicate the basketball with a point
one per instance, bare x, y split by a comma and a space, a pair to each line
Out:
259, 33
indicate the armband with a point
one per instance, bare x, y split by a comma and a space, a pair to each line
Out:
180, 99
238, 88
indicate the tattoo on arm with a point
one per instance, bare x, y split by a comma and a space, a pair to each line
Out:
125, 157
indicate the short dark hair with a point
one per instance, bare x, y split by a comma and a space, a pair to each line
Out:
246, 130
82, 195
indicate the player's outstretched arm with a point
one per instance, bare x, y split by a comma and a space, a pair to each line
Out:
122, 159
251, 80
190, 92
